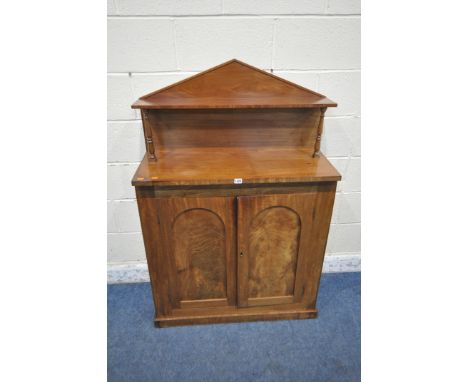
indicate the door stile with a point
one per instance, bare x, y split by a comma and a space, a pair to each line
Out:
166, 219
242, 254
231, 250
320, 227
304, 205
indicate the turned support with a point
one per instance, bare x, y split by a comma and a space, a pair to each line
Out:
319, 132
148, 135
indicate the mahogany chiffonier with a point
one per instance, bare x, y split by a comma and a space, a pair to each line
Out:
235, 197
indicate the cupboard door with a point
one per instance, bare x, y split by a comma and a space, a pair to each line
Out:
281, 243
199, 247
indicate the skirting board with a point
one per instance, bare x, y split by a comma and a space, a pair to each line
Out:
137, 272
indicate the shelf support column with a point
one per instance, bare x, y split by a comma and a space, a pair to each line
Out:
319, 132
148, 135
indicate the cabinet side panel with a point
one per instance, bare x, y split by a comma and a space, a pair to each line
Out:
148, 210
318, 241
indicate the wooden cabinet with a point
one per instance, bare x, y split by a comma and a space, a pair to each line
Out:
235, 197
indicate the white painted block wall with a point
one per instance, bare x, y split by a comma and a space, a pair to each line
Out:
153, 43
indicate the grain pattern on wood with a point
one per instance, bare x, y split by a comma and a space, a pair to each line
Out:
235, 197
149, 211
244, 315
239, 190
199, 242
316, 242
198, 235
234, 128
233, 84
273, 244
272, 252
211, 302
211, 166
314, 209
194, 316
276, 300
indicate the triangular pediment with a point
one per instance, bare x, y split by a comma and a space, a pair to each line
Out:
233, 84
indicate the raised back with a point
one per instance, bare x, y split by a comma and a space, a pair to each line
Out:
233, 105
233, 85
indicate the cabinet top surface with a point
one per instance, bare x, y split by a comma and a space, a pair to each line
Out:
233, 85
227, 166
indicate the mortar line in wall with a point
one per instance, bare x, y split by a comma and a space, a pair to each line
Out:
341, 116
350, 116
238, 16
139, 232
353, 223
273, 45
128, 263
132, 89
341, 192
318, 71
343, 157
344, 116
144, 262
114, 163
134, 199
123, 120
339, 254
277, 71
120, 233
116, 7
122, 163
114, 220
157, 73
174, 38
318, 83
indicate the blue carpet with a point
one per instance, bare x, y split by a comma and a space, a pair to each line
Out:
323, 349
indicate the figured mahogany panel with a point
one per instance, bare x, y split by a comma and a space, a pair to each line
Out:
273, 246
171, 129
198, 237
199, 242
274, 234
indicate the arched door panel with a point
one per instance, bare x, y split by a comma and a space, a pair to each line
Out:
273, 247
273, 244
199, 250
